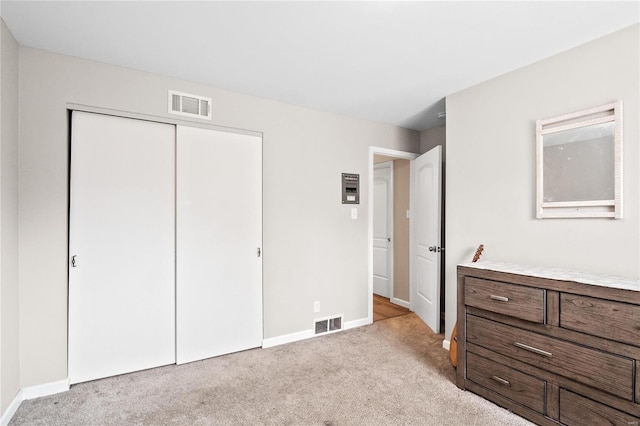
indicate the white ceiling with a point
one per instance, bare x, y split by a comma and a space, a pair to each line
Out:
392, 62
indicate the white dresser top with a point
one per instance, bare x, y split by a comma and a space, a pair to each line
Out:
612, 281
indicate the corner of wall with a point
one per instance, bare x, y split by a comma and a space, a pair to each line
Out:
9, 287
7, 415
430, 138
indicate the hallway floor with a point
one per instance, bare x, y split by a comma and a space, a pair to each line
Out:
384, 309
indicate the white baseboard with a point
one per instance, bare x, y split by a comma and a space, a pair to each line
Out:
446, 344
401, 302
46, 389
307, 334
357, 323
32, 392
11, 409
287, 338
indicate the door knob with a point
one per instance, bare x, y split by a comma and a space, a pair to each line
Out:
73, 261
389, 239
433, 248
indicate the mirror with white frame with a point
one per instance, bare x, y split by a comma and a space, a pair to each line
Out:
579, 164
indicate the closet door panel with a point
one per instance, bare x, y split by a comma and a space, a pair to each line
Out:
121, 246
218, 234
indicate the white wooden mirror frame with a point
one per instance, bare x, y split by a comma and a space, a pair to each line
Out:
607, 208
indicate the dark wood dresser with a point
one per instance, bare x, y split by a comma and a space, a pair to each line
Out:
555, 347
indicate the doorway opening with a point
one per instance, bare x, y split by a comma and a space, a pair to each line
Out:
389, 187
390, 245
405, 247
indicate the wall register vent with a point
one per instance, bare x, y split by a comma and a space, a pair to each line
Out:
327, 325
189, 105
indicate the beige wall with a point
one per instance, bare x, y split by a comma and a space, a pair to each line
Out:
313, 250
430, 138
491, 164
9, 319
401, 229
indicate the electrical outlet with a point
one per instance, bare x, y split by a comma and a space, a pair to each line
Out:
316, 306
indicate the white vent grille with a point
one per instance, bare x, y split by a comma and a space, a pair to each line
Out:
327, 325
189, 105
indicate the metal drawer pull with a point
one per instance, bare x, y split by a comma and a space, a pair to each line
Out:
532, 349
501, 380
499, 298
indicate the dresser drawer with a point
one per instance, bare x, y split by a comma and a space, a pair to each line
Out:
514, 300
601, 370
579, 411
604, 318
522, 388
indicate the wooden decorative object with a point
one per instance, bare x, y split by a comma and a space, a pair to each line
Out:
453, 342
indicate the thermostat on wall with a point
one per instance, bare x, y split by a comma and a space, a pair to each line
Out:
350, 188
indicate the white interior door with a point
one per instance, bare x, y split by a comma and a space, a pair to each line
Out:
383, 229
426, 199
219, 235
121, 243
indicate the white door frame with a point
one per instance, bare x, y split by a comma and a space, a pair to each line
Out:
374, 150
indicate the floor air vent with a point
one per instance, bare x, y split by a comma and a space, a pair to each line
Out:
189, 105
327, 325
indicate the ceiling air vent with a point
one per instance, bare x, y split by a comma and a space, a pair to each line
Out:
189, 105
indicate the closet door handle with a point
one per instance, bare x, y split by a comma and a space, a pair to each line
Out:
73, 261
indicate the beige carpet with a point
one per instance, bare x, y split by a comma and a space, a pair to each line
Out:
393, 372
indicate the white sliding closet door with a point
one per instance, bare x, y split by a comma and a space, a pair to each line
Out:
219, 233
121, 246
